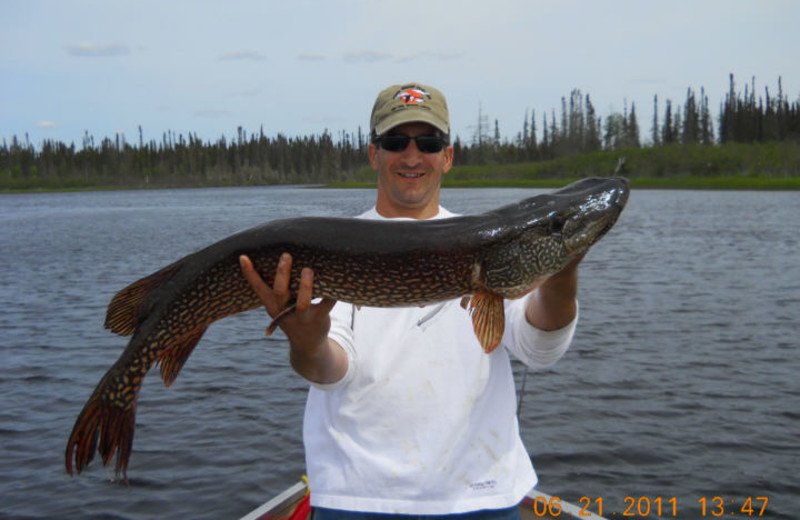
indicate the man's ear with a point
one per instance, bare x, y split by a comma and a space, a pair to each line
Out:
372, 151
448, 159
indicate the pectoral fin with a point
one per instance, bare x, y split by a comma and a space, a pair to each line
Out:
488, 319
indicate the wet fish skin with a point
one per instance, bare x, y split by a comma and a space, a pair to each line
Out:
495, 255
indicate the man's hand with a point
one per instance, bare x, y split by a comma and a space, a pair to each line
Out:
312, 354
552, 305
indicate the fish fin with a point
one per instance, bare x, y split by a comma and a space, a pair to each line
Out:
103, 426
278, 317
128, 308
488, 319
173, 358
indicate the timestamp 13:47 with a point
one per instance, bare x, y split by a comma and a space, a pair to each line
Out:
719, 506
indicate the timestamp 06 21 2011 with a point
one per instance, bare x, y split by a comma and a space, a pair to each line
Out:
662, 507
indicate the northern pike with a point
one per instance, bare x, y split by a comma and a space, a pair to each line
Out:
500, 254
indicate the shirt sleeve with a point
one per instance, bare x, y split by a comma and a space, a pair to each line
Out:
342, 333
535, 347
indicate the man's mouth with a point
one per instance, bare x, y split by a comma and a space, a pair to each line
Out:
410, 175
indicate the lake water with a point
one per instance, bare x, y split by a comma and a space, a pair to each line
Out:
682, 380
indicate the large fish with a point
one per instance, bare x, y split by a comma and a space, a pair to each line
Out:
499, 254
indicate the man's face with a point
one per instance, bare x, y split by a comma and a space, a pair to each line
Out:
408, 180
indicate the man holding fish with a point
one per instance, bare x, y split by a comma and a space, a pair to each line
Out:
406, 414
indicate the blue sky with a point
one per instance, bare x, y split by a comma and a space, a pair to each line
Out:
300, 67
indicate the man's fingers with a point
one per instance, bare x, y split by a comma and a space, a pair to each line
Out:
262, 290
252, 276
280, 287
305, 295
305, 291
325, 305
275, 298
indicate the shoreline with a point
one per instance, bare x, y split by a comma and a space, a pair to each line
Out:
684, 182
669, 183
733, 166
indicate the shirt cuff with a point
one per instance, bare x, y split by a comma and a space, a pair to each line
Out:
541, 348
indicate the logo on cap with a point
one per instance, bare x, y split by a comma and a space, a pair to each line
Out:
412, 96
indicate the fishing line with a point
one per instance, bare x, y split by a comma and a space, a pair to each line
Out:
521, 392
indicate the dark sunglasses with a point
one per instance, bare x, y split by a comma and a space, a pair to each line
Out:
399, 142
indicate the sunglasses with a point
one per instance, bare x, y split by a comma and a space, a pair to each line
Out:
399, 142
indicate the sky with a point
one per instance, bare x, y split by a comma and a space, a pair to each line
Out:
301, 67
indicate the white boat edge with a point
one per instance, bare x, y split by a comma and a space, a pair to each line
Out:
288, 497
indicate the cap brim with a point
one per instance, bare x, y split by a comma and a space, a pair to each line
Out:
411, 116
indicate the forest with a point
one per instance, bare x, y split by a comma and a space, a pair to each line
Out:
752, 134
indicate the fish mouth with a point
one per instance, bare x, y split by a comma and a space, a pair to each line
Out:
589, 231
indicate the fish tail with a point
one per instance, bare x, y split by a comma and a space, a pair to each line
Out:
106, 425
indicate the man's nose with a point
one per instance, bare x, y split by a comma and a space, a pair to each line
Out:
412, 155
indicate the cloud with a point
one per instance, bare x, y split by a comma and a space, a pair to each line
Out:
94, 50
310, 56
437, 56
373, 56
45, 124
366, 56
250, 55
249, 93
447, 56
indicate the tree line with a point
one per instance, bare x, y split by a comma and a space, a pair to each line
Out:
178, 160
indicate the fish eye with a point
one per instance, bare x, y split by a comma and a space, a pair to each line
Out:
556, 224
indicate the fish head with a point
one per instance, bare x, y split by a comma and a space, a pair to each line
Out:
549, 232
587, 211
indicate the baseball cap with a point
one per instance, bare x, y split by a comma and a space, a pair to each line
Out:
409, 103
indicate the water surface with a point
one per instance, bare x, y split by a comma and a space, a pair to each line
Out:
682, 380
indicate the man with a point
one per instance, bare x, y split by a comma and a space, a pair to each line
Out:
406, 414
